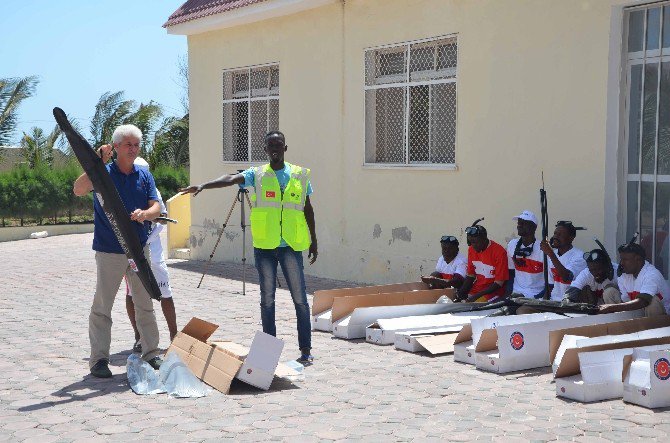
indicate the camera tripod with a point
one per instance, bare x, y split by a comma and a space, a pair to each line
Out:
241, 196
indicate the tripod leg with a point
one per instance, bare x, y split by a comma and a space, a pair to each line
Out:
244, 240
225, 223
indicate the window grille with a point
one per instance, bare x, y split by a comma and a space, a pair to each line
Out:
410, 103
647, 129
250, 110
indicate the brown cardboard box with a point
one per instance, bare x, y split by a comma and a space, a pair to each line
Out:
217, 363
213, 365
323, 300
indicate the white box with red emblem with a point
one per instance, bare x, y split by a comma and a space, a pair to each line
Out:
646, 378
524, 346
600, 376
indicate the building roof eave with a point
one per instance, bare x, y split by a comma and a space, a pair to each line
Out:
255, 12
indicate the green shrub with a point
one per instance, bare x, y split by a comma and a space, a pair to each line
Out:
169, 180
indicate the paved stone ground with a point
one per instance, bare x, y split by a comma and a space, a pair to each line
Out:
354, 391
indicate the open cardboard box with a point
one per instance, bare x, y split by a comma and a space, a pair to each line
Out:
437, 339
615, 328
526, 345
469, 340
600, 376
352, 314
566, 362
217, 363
383, 331
646, 378
322, 301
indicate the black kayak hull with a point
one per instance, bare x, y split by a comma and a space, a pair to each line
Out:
110, 201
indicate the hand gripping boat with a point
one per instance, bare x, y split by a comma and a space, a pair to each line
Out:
111, 203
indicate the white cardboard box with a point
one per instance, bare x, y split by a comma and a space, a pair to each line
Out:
322, 302
566, 362
646, 379
599, 377
353, 326
383, 331
407, 340
526, 345
465, 353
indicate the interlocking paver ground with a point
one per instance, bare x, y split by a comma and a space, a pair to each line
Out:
354, 391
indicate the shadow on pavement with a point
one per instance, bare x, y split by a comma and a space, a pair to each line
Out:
278, 384
91, 386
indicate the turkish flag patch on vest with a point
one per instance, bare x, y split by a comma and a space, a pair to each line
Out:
270, 194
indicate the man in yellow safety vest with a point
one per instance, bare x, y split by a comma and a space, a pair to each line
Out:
282, 227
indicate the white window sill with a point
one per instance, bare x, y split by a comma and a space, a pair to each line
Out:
415, 167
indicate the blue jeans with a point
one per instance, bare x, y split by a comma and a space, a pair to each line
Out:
292, 267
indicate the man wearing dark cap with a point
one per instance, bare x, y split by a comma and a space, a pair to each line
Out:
597, 284
642, 286
282, 227
487, 268
525, 259
451, 267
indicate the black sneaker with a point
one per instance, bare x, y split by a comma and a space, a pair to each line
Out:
101, 369
137, 347
155, 363
305, 359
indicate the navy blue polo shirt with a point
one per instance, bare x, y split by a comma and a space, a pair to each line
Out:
135, 190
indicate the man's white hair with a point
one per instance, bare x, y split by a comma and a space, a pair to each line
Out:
124, 131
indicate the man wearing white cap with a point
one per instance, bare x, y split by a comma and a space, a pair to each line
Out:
525, 260
160, 270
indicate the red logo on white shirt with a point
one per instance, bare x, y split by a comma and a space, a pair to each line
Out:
557, 277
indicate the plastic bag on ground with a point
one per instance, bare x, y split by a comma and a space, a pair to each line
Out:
142, 378
298, 373
178, 379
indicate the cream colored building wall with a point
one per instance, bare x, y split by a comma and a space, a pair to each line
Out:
532, 96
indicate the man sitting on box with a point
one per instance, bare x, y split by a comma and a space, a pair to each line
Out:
451, 267
565, 261
642, 286
597, 284
487, 268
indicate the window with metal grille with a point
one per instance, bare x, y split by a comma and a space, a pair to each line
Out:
410, 103
647, 129
250, 110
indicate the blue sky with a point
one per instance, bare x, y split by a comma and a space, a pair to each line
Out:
83, 48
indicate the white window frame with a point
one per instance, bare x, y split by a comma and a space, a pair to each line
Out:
406, 83
248, 97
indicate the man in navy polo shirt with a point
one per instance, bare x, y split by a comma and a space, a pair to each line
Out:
137, 190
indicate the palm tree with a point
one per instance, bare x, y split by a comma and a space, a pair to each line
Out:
113, 110
171, 143
12, 92
110, 112
38, 148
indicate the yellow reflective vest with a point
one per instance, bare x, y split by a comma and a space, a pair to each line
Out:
276, 215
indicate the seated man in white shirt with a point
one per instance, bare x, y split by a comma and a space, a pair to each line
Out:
597, 284
525, 259
642, 286
451, 267
565, 261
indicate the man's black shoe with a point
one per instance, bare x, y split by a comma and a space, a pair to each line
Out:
137, 347
155, 363
101, 369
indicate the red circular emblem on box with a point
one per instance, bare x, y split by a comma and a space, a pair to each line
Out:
563, 389
644, 392
249, 371
662, 368
516, 340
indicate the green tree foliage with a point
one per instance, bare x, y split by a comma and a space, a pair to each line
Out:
12, 92
171, 143
38, 147
169, 179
